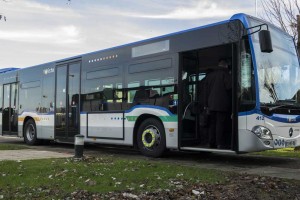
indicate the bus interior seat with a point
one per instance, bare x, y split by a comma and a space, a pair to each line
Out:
108, 94
153, 94
86, 106
126, 105
112, 106
95, 105
141, 97
163, 101
145, 97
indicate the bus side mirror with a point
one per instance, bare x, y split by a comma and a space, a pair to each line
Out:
265, 41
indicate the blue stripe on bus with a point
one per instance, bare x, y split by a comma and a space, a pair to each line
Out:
143, 106
5, 70
149, 106
275, 117
242, 17
248, 113
286, 118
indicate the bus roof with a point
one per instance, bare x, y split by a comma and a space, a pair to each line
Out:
150, 39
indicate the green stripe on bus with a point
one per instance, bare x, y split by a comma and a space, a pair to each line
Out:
173, 118
131, 118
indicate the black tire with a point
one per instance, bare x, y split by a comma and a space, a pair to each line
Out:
30, 134
151, 138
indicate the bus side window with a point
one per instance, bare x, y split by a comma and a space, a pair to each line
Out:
131, 92
48, 93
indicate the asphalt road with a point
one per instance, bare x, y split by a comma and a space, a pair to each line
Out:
251, 164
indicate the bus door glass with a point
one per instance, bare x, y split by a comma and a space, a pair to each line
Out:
189, 99
67, 100
73, 99
10, 109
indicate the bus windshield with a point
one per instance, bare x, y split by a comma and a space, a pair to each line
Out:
278, 72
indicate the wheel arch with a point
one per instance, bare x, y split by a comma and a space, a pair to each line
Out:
27, 118
138, 122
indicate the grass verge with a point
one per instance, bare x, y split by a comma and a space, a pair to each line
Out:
12, 147
286, 152
56, 178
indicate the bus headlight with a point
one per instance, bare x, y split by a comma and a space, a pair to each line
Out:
262, 132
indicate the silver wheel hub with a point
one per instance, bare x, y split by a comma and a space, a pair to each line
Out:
30, 132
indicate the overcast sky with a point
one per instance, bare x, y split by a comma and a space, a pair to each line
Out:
40, 31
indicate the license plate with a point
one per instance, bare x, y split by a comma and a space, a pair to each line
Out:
290, 143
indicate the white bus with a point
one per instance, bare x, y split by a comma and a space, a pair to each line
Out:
149, 94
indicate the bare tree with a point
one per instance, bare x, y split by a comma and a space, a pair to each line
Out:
283, 13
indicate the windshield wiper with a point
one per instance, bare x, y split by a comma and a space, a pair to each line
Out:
279, 106
272, 91
283, 103
286, 101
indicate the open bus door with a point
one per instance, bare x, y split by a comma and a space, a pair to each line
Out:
195, 65
10, 109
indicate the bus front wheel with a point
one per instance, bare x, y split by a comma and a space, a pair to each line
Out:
30, 136
151, 139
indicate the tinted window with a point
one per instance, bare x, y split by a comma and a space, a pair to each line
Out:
149, 66
102, 73
48, 93
30, 99
103, 90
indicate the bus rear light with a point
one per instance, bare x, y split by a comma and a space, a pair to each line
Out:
262, 132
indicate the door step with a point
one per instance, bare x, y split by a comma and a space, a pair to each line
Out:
207, 150
64, 140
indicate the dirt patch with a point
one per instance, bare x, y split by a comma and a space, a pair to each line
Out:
236, 187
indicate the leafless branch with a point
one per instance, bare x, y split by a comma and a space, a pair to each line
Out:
2, 16
282, 13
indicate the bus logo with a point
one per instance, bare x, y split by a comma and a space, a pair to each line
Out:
48, 71
291, 132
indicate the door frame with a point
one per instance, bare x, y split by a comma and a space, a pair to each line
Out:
66, 136
235, 49
10, 132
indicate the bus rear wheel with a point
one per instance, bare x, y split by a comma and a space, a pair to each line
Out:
151, 139
30, 134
